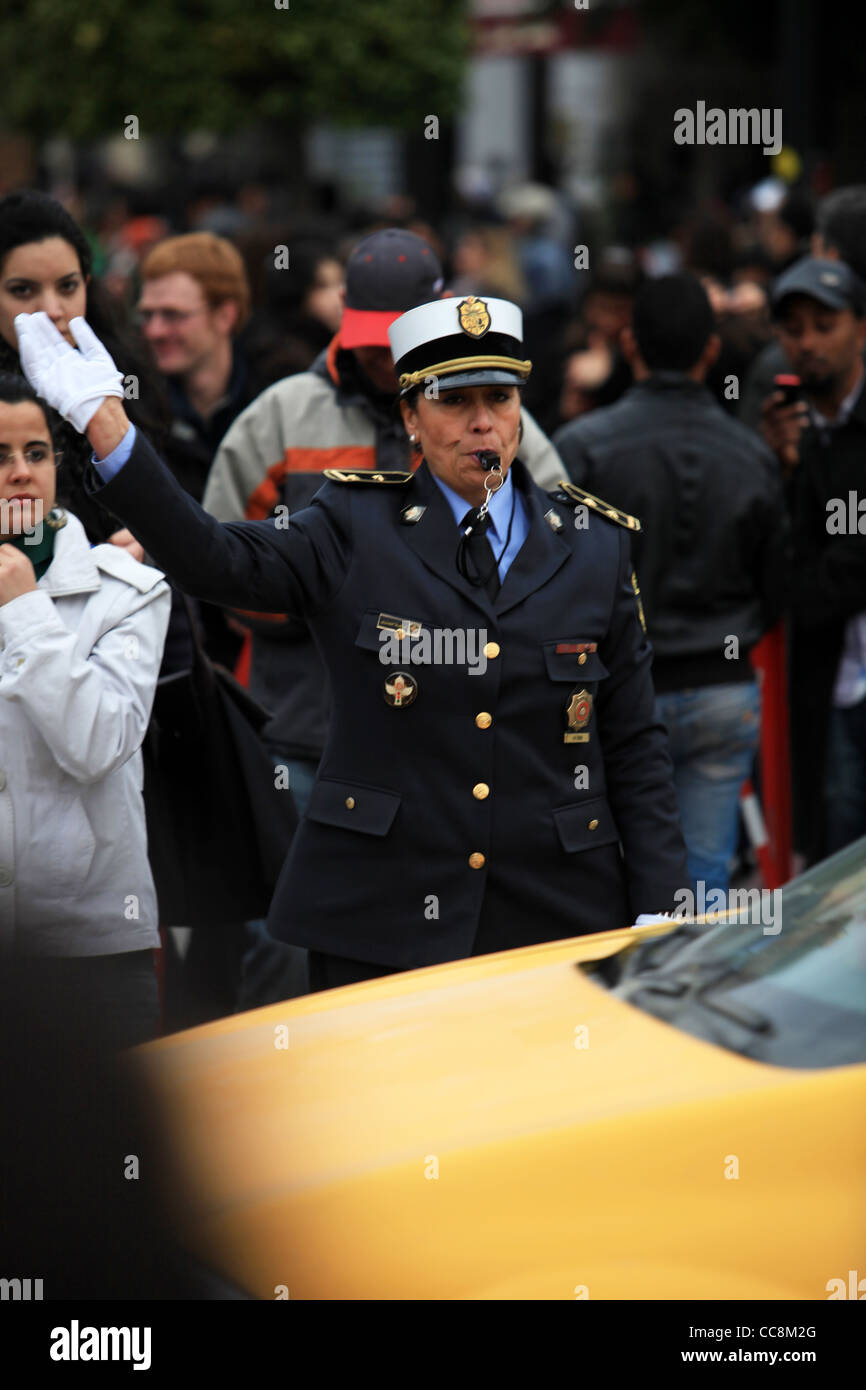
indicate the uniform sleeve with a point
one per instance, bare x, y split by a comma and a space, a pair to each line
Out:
637, 763
92, 711
290, 565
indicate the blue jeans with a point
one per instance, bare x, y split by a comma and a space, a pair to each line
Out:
271, 970
846, 776
714, 735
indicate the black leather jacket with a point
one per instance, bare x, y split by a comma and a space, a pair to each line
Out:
711, 555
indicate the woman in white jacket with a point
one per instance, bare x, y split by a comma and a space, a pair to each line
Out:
81, 638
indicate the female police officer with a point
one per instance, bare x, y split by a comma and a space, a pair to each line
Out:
493, 775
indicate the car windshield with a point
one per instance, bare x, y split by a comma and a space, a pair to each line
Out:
781, 980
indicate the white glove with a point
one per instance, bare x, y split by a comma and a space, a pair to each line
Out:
75, 383
651, 918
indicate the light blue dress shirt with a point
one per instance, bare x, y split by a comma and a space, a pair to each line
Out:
113, 462
499, 514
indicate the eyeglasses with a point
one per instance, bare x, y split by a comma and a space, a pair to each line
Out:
172, 317
34, 458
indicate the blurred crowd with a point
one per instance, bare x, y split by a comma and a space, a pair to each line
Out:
709, 381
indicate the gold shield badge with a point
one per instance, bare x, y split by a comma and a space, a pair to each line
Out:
579, 711
473, 316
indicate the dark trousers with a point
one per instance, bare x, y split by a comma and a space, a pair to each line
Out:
114, 999
497, 931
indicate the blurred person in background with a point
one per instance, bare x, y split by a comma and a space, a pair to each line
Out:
485, 262
530, 210
710, 559
820, 307
840, 234
81, 640
785, 230
741, 310
300, 309
45, 263
586, 367
193, 303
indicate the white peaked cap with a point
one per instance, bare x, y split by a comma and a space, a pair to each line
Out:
441, 319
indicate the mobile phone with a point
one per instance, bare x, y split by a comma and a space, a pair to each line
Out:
790, 386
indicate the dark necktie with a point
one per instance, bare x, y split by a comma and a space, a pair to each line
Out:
482, 568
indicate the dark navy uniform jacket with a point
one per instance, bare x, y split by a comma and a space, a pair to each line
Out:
464, 808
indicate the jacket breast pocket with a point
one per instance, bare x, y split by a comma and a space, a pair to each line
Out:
572, 660
353, 806
585, 825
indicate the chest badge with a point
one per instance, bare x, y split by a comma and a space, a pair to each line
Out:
411, 515
400, 689
579, 712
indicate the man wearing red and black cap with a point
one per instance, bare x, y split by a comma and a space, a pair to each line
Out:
340, 414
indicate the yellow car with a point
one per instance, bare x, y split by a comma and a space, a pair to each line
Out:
670, 1112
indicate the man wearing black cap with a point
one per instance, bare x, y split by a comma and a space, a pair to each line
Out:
339, 414
820, 309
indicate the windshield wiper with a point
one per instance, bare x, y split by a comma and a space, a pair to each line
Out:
690, 990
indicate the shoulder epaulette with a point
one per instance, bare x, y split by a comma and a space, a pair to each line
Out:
366, 475
577, 494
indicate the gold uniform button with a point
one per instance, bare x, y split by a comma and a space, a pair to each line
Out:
476, 861
484, 720
593, 825
480, 791
490, 649
350, 802
581, 660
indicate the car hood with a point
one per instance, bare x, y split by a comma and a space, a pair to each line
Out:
296, 1122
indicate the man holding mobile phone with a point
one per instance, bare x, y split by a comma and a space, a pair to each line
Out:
820, 310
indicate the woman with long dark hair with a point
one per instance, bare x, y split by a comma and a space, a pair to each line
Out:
46, 264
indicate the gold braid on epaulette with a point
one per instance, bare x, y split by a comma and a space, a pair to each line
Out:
366, 475
597, 504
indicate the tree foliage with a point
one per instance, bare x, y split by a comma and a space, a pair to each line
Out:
79, 67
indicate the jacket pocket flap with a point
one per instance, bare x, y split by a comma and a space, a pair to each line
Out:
353, 806
566, 665
585, 825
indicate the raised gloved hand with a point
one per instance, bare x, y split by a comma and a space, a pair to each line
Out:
75, 383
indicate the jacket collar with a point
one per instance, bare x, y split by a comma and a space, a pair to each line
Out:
674, 382
72, 569
434, 539
339, 367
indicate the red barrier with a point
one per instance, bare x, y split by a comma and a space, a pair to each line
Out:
772, 835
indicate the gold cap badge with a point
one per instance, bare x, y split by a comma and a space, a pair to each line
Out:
473, 316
